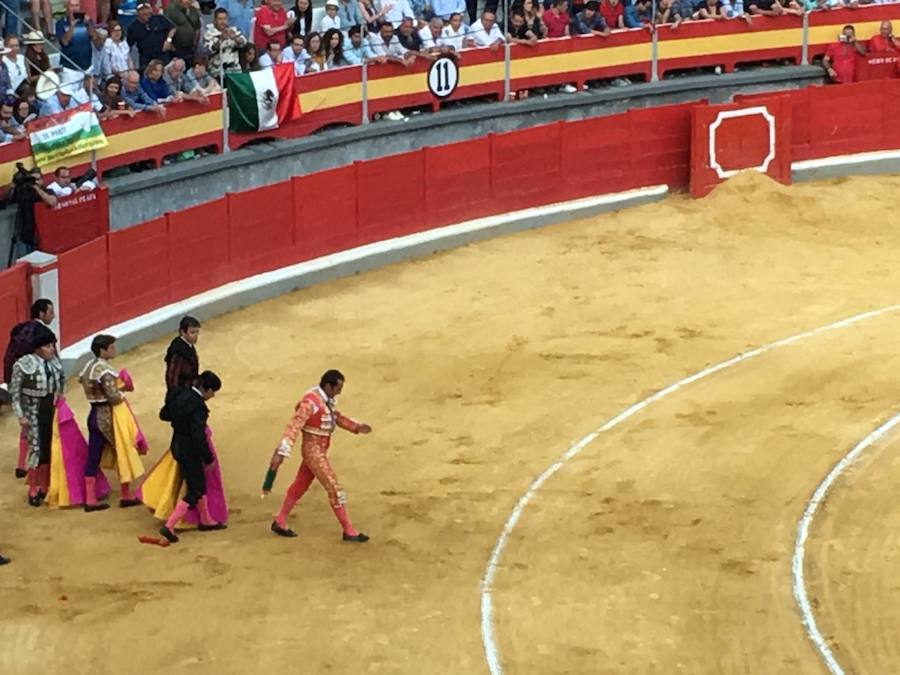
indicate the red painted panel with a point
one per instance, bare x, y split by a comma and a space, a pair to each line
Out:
596, 156
391, 194
457, 182
84, 290
14, 301
661, 145
325, 212
74, 220
198, 249
526, 167
891, 95
138, 269
846, 118
261, 228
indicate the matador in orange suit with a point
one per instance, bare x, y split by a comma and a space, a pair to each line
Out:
316, 418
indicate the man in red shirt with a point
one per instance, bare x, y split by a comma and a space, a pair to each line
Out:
885, 40
613, 14
272, 25
840, 58
557, 19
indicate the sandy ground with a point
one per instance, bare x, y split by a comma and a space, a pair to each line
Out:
664, 547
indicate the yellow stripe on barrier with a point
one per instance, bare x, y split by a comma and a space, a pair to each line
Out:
827, 34
725, 44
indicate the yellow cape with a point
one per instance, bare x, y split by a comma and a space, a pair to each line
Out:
124, 458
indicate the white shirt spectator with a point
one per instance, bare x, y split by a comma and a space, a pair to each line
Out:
482, 37
118, 55
61, 191
400, 9
265, 61
53, 105
393, 48
444, 8
428, 40
327, 23
16, 70
81, 97
452, 38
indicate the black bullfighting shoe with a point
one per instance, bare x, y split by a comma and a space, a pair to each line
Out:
211, 527
359, 537
168, 534
282, 531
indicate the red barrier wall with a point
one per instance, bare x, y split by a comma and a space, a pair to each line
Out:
457, 182
74, 220
198, 248
14, 298
84, 290
260, 229
139, 268
391, 196
325, 212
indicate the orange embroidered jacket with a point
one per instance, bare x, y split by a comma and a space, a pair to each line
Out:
316, 418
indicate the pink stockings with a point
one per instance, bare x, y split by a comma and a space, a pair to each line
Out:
38, 480
298, 488
181, 509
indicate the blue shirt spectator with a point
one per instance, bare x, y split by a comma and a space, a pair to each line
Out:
54, 104
240, 13
355, 54
444, 8
158, 90
134, 95
75, 42
348, 13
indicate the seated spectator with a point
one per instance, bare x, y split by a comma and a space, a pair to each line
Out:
316, 53
408, 36
710, 9
74, 37
485, 32
113, 103
333, 44
87, 94
348, 13
387, 47
63, 185
885, 40
154, 84
453, 36
588, 21
665, 13
444, 9
430, 36
174, 76
14, 62
638, 12
296, 54
683, 10
613, 14
518, 32
773, 7
22, 112
330, 18
60, 101
272, 56
198, 82
100, 64
35, 57
556, 19
534, 13
10, 128
118, 51
358, 51
138, 99
247, 58
840, 57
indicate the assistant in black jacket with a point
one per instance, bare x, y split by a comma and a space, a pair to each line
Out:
186, 411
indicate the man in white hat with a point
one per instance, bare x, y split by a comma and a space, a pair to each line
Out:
330, 19
14, 61
62, 99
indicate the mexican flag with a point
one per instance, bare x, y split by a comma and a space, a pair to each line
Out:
64, 134
263, 99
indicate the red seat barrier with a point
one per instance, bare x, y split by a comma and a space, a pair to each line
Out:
138, 269
325, 212
261, 229
74, 220
457, 182
84, 290
198, 249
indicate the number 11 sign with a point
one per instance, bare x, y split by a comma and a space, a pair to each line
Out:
443, 76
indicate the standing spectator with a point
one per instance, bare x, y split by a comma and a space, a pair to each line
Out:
222, 42
198, 81
445, 8
430, 36
134, 95
840, 57
36, 58
9, 126
613, 14
302, 13
883, 42
589, 22
63, 186
240, 15
485, 32
155, 86
272, 56
455, 33
359, 50
333, 44
372, 13
74, 38
472, 10
316, 52
556, 19
348, 13
272, 23
408, 36
5, 81
14, 62
518, 32
100, 63
186, 19
41, 8
330, 19
396, 11
118, 51
152, 35
247, 58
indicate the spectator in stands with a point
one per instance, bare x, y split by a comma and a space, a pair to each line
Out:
454, 34
36, 58
100, 64
197, 81
348, 13
431, 36
138, 99
86, 93
333, 44
222, 42
683, 10
22, 110
408, 36
25, 235
883, 42
518, 32
247, 57
840, 57
534, 17
174, 76
372, 14
74, 37
773, 7
111, 98
186, 19
330, 18
152, 34
60, 101
589, 22
63, 186
10, 128
446, 8
5, 82
556, 19
396, 11
302, 13
118, 51
296, 54
710, 9
272, 23
358, 50
41, 8
14, 62
387, 47
316, 53
239, 15
613, 13
272, 56
485, 32
155, 86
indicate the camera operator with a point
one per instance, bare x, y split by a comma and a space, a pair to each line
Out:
840, 58
63, 186
26, 191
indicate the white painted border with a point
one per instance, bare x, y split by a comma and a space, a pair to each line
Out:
846, 160
173, 312
809, 621
491, 652
731, 114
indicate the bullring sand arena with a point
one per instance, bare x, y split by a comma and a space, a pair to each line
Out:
662, 544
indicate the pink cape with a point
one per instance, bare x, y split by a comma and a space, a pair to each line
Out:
215, 491
74, 456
